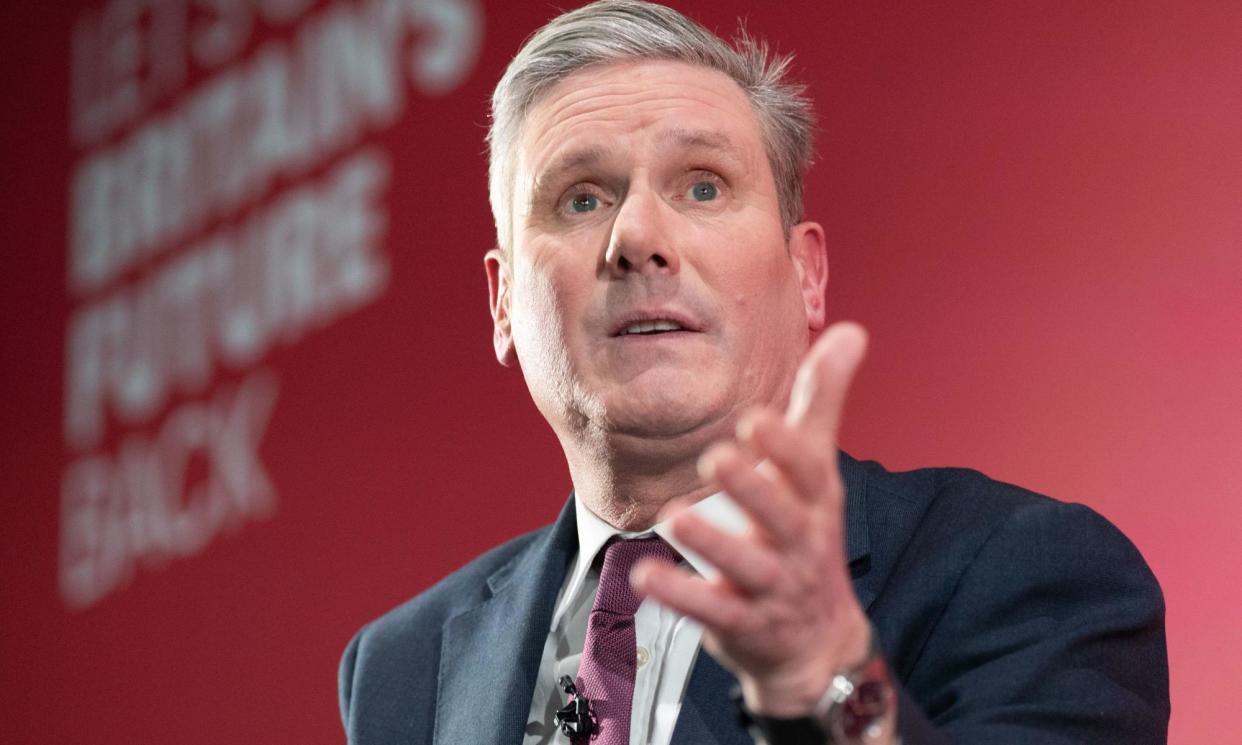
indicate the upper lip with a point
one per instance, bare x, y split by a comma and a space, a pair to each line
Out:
630, 318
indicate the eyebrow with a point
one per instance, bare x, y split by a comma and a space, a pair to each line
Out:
588, 158
574, 160
702, 139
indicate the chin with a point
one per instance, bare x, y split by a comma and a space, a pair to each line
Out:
669, 415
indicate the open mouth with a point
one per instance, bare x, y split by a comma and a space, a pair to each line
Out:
649, 328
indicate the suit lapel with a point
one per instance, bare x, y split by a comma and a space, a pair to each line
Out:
490, 654
707, 716
857, 534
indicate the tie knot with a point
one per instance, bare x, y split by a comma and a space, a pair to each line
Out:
615, 593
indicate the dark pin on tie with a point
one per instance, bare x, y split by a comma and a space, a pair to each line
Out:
574, 717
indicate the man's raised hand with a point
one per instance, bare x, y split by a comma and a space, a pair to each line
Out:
782, 614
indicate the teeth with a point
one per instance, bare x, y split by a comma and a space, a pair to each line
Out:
647, 327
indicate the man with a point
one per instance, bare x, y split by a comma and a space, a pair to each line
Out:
665, 300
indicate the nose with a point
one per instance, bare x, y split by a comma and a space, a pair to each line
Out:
641, 241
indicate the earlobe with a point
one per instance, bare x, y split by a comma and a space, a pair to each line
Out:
497, 267
809, 250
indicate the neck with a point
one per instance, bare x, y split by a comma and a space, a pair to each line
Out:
628, 490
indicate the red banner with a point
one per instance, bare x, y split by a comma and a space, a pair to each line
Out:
252, 402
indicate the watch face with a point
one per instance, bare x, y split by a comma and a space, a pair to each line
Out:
862, 710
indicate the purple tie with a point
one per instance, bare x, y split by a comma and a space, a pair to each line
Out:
610, 655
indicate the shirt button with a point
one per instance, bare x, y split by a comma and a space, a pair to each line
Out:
643, 657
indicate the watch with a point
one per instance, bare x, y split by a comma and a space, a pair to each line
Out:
859, 707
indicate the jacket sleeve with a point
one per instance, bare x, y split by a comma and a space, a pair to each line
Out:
1054, 634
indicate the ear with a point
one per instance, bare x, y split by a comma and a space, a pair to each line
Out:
809, 250
498, 283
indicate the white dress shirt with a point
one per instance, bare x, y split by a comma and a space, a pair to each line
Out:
667, 641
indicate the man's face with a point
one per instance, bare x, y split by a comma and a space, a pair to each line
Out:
650, 292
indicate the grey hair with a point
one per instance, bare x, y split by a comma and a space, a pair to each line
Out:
611, 31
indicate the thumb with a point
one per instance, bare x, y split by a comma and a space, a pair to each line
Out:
818, 396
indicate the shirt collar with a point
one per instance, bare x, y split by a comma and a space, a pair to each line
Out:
594, 532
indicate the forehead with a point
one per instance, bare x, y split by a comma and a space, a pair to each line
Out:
602, 109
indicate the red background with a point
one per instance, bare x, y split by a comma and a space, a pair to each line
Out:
1034, 207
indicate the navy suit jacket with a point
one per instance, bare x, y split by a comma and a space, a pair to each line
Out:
1006, 618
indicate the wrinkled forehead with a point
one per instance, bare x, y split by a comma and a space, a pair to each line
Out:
604, 111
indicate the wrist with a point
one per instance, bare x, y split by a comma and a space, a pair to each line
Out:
797, 689
858, 706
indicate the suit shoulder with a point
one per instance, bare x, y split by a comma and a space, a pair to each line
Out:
1009, 598
992, 597
945, 516
963, 501
463, 589
404, 644
987, 495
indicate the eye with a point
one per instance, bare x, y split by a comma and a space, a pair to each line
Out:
703, 191
584, 202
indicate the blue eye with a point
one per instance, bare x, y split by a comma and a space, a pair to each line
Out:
703, 191
583, 202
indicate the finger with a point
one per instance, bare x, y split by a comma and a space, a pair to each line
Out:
806, 464
773, 509
675, 506
712, 605
748, 566
819, 390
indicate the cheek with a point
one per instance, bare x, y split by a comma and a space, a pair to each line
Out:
545, 305
750, 268
756, 282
